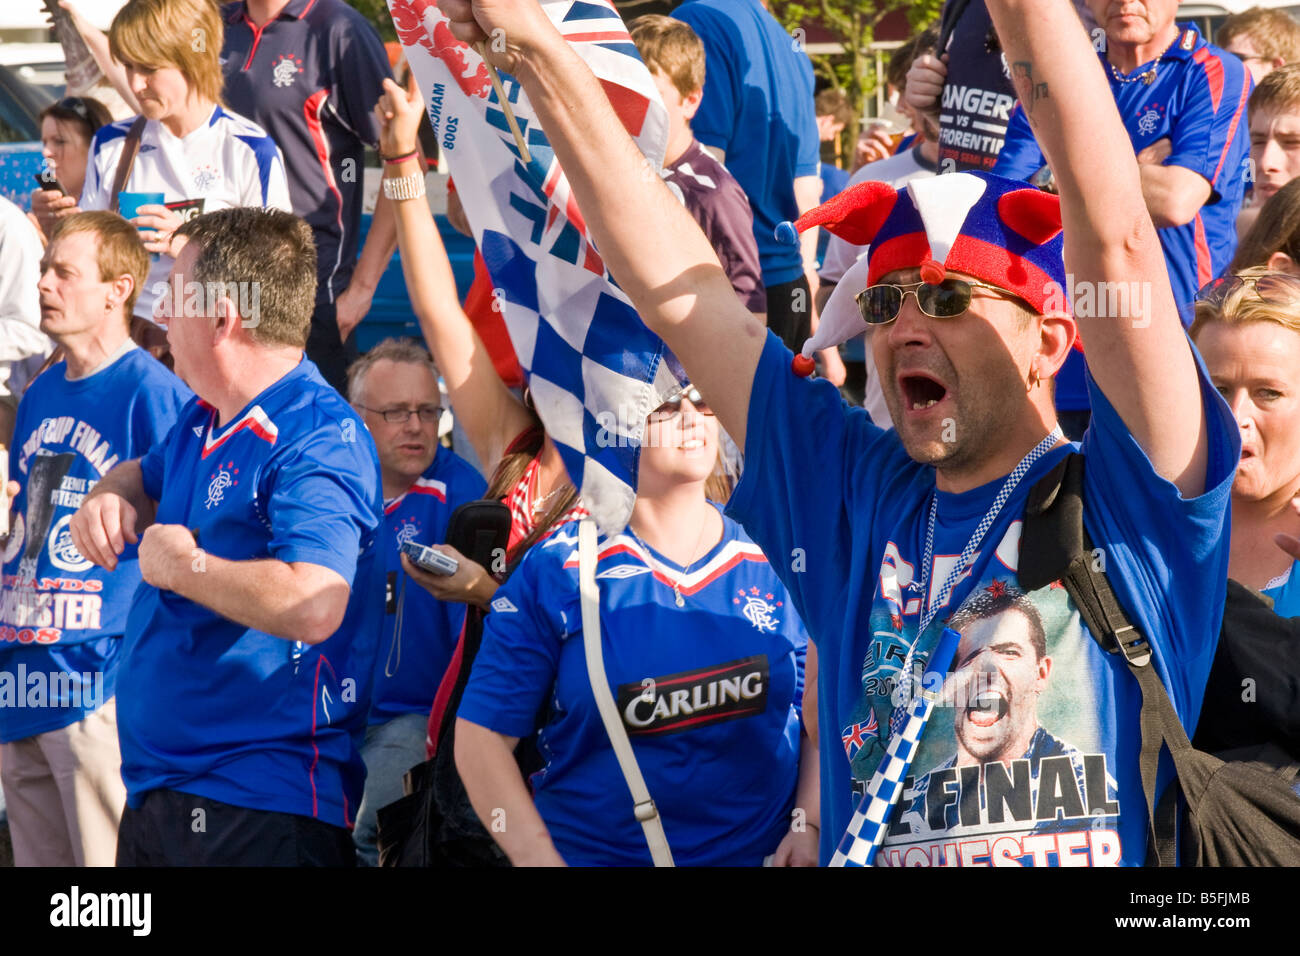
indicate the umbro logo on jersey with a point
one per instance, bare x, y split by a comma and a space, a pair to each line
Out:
623, 571
698, 698
502, 605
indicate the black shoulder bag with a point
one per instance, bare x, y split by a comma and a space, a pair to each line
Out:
1239, 808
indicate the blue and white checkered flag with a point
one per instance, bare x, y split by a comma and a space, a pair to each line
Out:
871, 820
594, 369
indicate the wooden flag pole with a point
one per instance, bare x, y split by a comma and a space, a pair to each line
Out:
505, 105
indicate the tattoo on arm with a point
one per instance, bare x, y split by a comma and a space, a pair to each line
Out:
1022, 76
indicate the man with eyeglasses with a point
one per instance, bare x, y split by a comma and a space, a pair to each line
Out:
882, 535
395, 388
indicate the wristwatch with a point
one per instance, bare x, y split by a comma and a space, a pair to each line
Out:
404, 187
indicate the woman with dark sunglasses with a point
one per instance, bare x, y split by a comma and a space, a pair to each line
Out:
67, 128
1247, 329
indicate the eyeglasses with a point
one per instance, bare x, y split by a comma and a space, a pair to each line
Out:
880, 304
673, 405
1275, 288
429, 414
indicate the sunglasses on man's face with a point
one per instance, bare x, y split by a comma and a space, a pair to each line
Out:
880, 304
673, 405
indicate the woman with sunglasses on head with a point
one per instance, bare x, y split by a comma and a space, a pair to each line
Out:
67, 128
1247, 329
524, 465
705, 660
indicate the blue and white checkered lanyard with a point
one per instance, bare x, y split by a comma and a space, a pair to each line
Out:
906, 682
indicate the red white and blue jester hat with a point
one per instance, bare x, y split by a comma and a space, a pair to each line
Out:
1000, 231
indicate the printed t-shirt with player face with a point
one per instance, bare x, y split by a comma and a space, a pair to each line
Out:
709, 693
420, 632
227, 161
60, 614
209, 706
1031, 756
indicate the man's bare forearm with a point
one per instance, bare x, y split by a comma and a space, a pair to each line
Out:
127, 481
1173, 194
651, 244
1141, 360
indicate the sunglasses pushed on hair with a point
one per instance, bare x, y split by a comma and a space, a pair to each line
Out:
880, 304
1275, 288
673, 405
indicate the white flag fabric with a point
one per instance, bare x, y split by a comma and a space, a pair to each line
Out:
594, 369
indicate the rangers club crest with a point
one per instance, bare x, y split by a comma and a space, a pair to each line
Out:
286, 69
407, 530
1149, 119
226, 476
757, 608
205, 177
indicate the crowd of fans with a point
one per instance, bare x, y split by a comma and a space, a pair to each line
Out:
217, 646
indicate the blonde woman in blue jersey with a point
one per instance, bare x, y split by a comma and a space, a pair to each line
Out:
705, 658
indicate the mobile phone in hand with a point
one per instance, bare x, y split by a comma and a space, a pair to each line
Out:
46, 179
435, 562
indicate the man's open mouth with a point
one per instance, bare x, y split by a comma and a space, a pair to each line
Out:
921, 391
986, 709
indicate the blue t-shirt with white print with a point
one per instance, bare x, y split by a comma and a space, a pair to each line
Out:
842, 511
61, 617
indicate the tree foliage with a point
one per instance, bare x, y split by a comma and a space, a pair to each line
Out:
376, 11
853, 25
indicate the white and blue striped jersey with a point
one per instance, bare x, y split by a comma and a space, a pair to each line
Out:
229, 161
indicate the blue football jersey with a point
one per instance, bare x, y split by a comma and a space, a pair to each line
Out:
709, 693
209, 706
981, 791
420, 632
1197, 100
61, 617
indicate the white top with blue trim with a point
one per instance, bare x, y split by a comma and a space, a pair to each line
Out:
228, 161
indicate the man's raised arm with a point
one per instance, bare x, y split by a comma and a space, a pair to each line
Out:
1141, 360
652, 246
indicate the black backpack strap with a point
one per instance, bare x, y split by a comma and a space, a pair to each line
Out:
1054, 545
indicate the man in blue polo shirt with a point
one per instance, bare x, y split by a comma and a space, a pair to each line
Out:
309, 72
250, 646
1183, 102
758, 117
